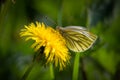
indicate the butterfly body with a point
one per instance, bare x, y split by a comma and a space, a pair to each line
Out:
78, 39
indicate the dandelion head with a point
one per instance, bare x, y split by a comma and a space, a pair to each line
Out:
55, 50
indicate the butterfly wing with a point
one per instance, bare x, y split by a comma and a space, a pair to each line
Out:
78, 39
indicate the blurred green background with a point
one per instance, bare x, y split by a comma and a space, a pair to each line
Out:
102, 17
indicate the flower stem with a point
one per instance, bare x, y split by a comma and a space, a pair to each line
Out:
24, 77
51, 72
76, 67
4, 10
59, 20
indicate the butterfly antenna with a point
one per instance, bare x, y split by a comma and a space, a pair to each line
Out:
53, 22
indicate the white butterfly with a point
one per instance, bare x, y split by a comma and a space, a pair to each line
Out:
78, 39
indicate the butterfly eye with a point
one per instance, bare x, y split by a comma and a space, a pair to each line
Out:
57, 28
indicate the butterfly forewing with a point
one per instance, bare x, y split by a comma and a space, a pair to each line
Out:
78, 39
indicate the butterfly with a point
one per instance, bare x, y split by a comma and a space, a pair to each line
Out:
78, 39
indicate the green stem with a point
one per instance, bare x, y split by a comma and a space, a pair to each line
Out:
24, 77
59, 20
76, 67
51, 72
3, 12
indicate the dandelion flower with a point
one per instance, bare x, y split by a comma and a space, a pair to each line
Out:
55, 50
